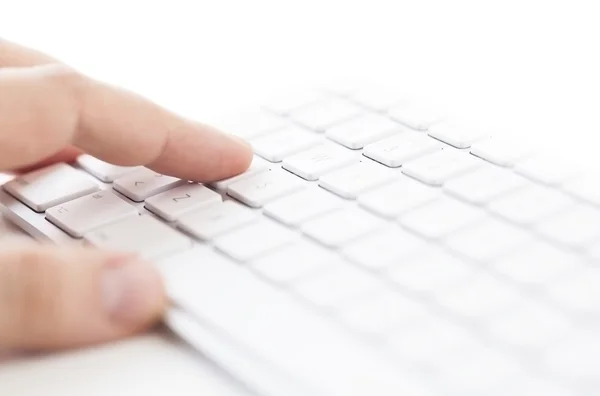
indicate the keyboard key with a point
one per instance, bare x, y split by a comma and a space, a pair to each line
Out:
278, 145
252, 240
89, 212
294, 261
322, 115
398, 149
171, 204
103, 171
208, 222
140, 234
383, 249
398, 197
145, 183
249, 124
257, 166
257, 190
546, 169
578, 293
356, 179
429, 272
488, 240
360, 131
502, 152
314, 163
454, 135
483, 185
342, 226
376, 98
382, 312
481, 295
529, 205
50, 186
575, 228
440, 217
586, 188
284, 104
338, 285
537, 264
299, 207
530, 325
438, 168
415, 117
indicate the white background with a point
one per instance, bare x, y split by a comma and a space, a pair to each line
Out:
528, 68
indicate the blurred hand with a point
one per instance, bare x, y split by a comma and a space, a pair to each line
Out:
56, 297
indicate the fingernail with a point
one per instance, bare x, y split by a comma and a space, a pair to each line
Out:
132, 293
242, 141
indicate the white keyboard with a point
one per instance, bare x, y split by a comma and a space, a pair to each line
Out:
371, 249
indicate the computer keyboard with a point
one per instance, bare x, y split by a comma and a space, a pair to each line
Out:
372, 248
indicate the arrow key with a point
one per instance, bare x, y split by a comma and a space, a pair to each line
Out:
145, 183
170, 205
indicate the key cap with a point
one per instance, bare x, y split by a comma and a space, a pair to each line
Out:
360, 131
314, 163
440, 218
92, 211
257, 190
342, 226
356, 179
172, 204
299, 341
575, 228
502, 152
482, 295
586, 188
384, 248
293, 262
438, 168
208, 222
304, 205
415, 117
253, 240
140, 234
376, 99
322, 115
530, 325
284, 104
103, 171
398, 197
483, 185
398, 149
529, 205
487, 240
50, 186
249, 124
384, 311
538, 264
458, 136
278, 145
546, 169
429, 272
257, 166
337, 285
145, 183
578, 293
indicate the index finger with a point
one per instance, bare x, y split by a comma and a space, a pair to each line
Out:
44, 108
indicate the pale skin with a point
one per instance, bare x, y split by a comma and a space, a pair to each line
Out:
54, 297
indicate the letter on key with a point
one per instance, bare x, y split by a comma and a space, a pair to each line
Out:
145, 183
264, 187
171, 204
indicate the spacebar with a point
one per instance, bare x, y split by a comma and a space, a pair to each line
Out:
277, 328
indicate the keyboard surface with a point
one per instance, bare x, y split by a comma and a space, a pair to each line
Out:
372, 247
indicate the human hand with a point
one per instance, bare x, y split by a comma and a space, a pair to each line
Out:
57, 297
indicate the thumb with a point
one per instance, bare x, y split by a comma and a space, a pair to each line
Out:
54, 297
